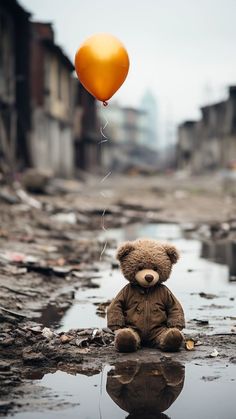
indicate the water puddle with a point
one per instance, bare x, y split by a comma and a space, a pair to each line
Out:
152, 390
201, 285
142, 391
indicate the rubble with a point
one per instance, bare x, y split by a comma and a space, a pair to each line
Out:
50, 246
35, 180
101, 308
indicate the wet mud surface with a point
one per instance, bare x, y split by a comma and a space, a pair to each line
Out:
52, 275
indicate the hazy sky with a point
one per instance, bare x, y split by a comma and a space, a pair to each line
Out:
184, 50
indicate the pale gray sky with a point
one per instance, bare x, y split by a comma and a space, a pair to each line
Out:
183, 50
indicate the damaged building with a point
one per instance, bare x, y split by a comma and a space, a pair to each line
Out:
210, 143
47, 119
127, 147
87, 146
51, 104
14, 86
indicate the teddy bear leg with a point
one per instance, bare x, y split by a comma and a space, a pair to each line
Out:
127, 340
170, 339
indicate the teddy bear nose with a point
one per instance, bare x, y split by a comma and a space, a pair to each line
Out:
149, 278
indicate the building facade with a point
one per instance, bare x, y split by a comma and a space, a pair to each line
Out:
149, 106
52, 143
210, 143
127, 132
15, 121
88, 150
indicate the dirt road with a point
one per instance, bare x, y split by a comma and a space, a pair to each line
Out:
54, 244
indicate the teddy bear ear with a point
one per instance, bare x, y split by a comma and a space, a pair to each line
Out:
172, 252
124, 250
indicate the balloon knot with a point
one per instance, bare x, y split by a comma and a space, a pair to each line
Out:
105, 103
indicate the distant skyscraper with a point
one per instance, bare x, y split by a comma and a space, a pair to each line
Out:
149, 106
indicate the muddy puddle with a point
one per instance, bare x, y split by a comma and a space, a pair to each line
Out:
202, 286
141, 391
198, 389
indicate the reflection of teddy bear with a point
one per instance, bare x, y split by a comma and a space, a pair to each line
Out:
145, 311
145, 390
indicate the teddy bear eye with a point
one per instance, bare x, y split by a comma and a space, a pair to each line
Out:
155, 268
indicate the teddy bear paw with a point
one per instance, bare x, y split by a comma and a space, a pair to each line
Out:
171, 340
127, 340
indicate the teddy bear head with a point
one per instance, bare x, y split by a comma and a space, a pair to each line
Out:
146, 261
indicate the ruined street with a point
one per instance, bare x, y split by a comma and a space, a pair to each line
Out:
58, 273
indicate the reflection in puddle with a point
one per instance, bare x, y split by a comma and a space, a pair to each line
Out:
142, 391
145, 390
221, 251
148, 391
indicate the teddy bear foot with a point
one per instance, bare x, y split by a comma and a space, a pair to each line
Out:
127, 340
171, 340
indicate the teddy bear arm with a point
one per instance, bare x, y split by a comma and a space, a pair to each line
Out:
175, 313
115, 312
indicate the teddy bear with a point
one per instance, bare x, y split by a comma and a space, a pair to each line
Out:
145, 312
145, 390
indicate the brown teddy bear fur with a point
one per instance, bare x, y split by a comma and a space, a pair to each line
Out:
146, 313
140, 253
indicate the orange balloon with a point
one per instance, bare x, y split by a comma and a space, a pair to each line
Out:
102, 65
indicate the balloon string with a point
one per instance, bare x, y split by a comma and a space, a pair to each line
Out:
104, 140
103, 250
103, 220
105, 177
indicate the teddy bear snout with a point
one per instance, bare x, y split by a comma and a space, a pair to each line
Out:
149, 278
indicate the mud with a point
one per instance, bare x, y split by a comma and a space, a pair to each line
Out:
50, 255
27, 355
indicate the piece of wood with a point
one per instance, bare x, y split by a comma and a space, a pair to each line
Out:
17, 291
13, 313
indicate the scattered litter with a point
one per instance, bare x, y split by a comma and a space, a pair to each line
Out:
31, 202
207, 296
35, 329
201, 322
210, 378
47, 248
94, 337
101, 308
68, 217
62, 270
214, 354
83, 350
85, 332
15, 270
15, 257
189, 345
198, 343
9, 198
94, 333
47, 333
36, 180
65, 338
81, 342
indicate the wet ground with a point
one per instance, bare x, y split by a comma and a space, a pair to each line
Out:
202, 286
198, 393
206, 383
52, 275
